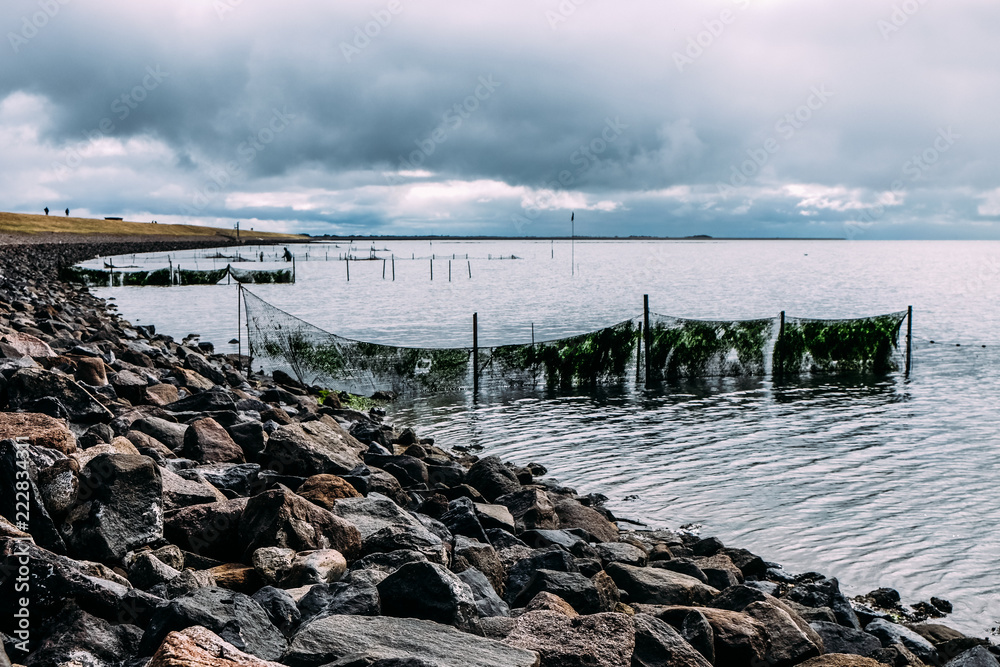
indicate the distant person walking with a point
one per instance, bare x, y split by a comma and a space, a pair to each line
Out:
46, 210
262, 255
67, 213
288, 255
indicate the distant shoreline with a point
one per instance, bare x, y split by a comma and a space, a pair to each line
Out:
331, 237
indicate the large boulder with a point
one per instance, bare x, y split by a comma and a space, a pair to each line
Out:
658, 586
523, 569
599, 640
37, 429
840, 639
657, 644
169, 433
179, 492
15, 461
325, 490
825, 592
200, 647
279, 518
356, 598
573, 587
574, 515
891, 633
492, 478
206, 441
978, 656
31, 384
210, 530
429, 591
787, 644
385, 526
331, 638
488, 603
78, 638
531, 508
120, 507
320, 446
235, 617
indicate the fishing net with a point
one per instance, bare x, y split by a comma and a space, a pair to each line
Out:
316, 356
869, 344
677, 349
172, 276
684, 349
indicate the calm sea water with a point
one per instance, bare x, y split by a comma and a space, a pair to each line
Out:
885, 481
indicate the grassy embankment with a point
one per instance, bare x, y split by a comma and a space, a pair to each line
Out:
24, 224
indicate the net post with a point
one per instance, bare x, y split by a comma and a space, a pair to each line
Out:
909, 337
776, 361
347, 263
432, 268
293, 268
383, 269
449, 270
475, 353
469, 262
239, 318
645, 333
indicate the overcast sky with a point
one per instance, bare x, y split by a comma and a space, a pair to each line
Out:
867, 119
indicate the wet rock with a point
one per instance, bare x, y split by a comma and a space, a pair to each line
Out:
37, 429
481, 556
31, 384
429, 591
235, 617
574, 515
657, 644
206, 441
461, 519
199, 647
323, 490
331, 638
891, 633
282, 519
750, 564
169, 433
206, 401
488, 603
318, 447
315, 567
120, 507
78, 638
531, 508
658, 586
601, 640
697, 632
210, 530
385, 526
840, 639
825, 592
356, 598
235, 479
492, 478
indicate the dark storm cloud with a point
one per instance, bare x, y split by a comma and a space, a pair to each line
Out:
407, 115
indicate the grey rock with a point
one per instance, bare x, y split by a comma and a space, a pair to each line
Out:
492, 478
429, 591
279, 607
31, 384
975, 657
658, 586
311, 448
488, 603
77, 638
892, 633
697, 631
521, 572
334, 637
169, 433
659, 645
355, 598
621, 552
210, 530
840, 639
573, 587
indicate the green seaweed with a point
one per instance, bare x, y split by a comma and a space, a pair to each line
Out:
860, 345
693, 348
195, 277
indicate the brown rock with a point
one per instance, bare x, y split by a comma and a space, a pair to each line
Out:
92, 371
546, 601
39, 429
280, 518
192, 380
574, 515
237, 577
142, 441
199, 647
162, 394
210, 530
206, 441
26, 345
597, 640
130, 386
324, 489
117, 446
840, 660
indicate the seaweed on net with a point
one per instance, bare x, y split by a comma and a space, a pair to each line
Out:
681, 348
196, 277
869, 345
261, 276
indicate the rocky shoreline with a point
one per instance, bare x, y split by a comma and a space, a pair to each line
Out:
160, 507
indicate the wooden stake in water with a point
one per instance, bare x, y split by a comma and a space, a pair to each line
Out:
348, 264
449, 270
383, 269
909, 336
239, 317
645, 332
432, 268
776, 362
572, 243
475, 353
470, 270
394, 268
